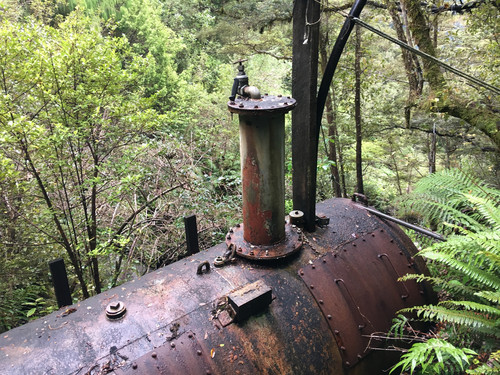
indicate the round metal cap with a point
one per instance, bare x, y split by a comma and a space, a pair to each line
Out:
296, 217
266, 104
115, 310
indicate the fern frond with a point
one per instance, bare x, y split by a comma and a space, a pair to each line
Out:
477, 322
452, 286
436, 355
493, 297
485, 278
472, 306
489, 210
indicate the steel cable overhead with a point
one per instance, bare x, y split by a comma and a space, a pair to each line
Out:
466, 76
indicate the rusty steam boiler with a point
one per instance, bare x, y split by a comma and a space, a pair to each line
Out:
272, 299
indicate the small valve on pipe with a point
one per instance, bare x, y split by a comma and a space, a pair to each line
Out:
240, 84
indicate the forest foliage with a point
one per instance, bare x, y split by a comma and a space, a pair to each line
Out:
113, 124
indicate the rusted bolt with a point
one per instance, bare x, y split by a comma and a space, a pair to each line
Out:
240, 249
311, 286
172, 344
301, 273
134, 365
342, 348
321, 302
391, 241
373, 234
354, 244
190, 335
324, 260
359, 356
345, 249
208, 372
267, 253
198, 352
154, 355
329, 316
347, 363
400, 253
313, 266
335, 255
336, 332
361, 326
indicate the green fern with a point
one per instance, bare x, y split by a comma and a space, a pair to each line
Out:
466, 269
435, 356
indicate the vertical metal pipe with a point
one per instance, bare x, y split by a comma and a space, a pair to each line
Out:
306, 16
191, 230
262, 150
60, 282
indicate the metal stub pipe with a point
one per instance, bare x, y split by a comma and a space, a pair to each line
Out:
296, 218
115, 310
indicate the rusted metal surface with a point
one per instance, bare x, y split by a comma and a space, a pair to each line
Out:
291, 243
291, 336
262, 153
357, 290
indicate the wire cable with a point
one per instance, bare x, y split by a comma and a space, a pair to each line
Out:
466, 76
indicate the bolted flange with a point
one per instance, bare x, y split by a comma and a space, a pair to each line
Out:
291, 244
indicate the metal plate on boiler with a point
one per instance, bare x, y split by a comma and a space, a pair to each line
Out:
357, 290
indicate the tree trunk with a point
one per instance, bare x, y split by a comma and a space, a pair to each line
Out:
432, 151
357, 112
411, 63
442, 99
331, 119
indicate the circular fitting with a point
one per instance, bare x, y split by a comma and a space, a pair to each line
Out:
266, 104
289, 245
219, 262
296, 217
115, 310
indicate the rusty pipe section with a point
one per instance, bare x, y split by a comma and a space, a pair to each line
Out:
262, 152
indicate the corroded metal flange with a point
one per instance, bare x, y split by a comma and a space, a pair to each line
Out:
284, 248
267, 103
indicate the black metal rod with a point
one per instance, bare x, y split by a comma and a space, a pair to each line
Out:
60, 282
416, 228
338, 48
191, 234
